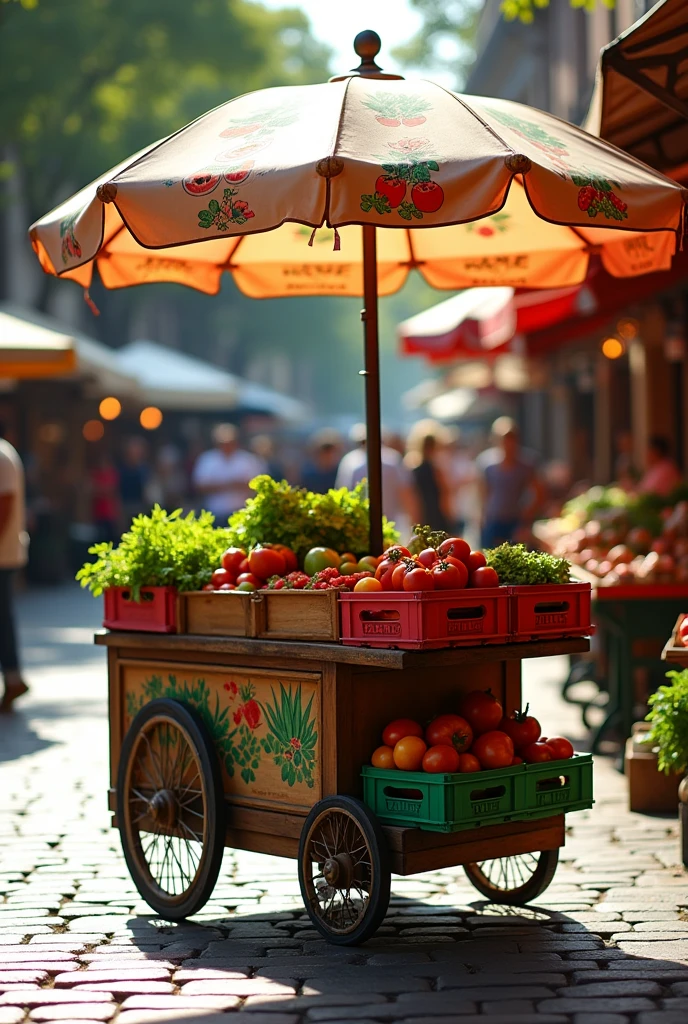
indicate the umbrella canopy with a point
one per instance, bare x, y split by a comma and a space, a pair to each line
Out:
640, 101
513, 195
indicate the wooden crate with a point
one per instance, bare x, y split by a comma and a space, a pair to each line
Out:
675, 651
216, 613
296, 614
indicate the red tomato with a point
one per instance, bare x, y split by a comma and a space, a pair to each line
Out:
441, 758
243, 566
456, 547
408, 753
427, 557
249, 577
476, 560
463, 570
561, 748
232, 559
228, 586
683, 629
481, 710
400, 548
266, 562
449, 730
208, 586
515, 761
419, 579
522, 727
469, 763
448, 576
494, 749
221, 576
485, 576
398, 576
400, 728
384, 571
536, 753
291, 562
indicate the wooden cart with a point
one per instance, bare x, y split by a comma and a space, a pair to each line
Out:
259, 744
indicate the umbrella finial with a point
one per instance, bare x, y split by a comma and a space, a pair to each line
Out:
367, 45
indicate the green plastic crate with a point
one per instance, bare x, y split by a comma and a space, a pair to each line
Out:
452, 802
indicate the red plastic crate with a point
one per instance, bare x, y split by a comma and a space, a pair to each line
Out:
156, 612
551, 610
426, 619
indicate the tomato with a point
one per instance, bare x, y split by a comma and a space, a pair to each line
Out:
408, 753
428, 557
481, 710
448, 576
399, 728
561, 748
404, 552
348, 556
221, 576
451, 730
440, 758
243, 566
368, 585
536, 753
348, 568
228, 586
463, 570
209, 586
384, 572
494, 749
291, 562
318, 559
249, 577
398, 576
485, 576
383, 757
683, 629
516, 760
232, 559
456, 547
418, 579
522, 727
245, 586
266, 562
469, 763
476, 560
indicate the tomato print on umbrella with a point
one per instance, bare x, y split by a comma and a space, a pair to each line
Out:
202, 183
222, 214
70, 247
489, 226
406, 186
392, 111
597, 195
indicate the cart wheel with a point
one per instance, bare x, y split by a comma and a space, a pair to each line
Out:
170, 808
344, 870
515, 880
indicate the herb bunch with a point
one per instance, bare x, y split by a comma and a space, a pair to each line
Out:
669, 717
160, 549
517, 566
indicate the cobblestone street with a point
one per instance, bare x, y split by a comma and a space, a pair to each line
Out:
607, 943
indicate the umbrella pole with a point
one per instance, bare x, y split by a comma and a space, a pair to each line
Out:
369, 316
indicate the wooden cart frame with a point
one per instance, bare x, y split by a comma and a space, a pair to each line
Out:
354, 691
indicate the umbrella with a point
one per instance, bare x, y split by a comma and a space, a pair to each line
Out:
640, 101
513, 196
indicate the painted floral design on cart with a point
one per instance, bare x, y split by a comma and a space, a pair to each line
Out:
70, 246
392, 111
226, 212
406, 185
489, 226
597, 195
292, 737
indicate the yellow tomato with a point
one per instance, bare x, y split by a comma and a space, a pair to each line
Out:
408, 753
368, 584
383, 757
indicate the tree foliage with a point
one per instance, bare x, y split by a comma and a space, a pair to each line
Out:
524, 10
446, 38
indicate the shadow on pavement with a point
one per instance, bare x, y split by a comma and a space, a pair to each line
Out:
18, 738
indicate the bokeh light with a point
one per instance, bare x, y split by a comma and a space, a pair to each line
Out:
93, 430
612, 348
627, 328
150, 418
110, 408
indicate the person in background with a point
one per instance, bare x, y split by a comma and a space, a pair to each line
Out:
422, 461
221, 475
511, 490
624, 471
263, 447
662, 474
320, 471
106, 508
14, 544
461, 478
399, 498
167, 485
133, 479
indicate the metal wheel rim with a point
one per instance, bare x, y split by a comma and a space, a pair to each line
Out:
334, 833
508, 874
170, 855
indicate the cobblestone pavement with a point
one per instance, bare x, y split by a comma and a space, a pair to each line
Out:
606, 944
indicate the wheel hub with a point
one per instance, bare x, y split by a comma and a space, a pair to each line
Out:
163, 808
339, 871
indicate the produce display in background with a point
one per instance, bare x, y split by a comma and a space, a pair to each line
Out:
623, 539
669, 717
478, 738
682, 633
159, 550
517, 566
301, 519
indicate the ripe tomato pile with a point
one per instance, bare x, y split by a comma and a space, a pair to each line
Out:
449, 566
276, 567
479, 738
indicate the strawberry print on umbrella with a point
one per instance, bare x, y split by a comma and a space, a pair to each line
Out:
222, 214
70, 247
392, 111
597, 195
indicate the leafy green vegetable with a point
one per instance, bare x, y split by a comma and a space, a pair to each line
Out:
669, 717
517, 566
301, 519
162, 549
613, 503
